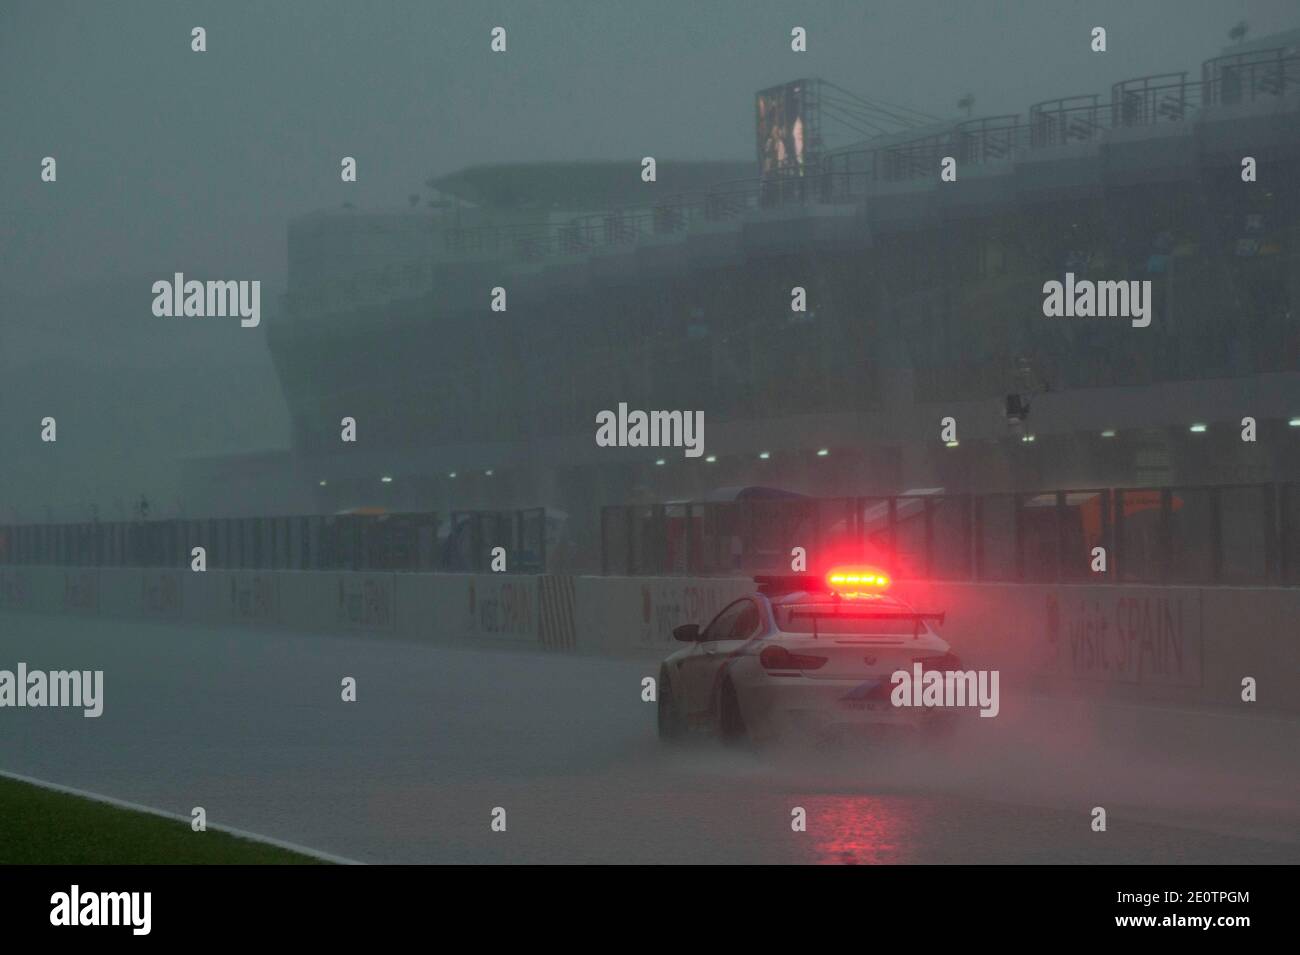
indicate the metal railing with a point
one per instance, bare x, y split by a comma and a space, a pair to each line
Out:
1222, 534
1245, 77
848, 175
1064, 121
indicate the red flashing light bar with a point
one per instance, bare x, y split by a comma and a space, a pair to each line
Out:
851, 580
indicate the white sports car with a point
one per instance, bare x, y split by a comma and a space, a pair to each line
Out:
803, 654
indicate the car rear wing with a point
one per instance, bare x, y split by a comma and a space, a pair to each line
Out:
853, 613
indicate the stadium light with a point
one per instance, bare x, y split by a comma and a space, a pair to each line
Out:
1294, 422
660, 462
387, 479
451, 474
1197, 429
951, 444
822, 452
764, 455
1027, 438
488, 472
711, 459
322, 483
1108, 433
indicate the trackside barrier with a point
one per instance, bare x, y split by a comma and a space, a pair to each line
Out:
484, 608
1145, 644
1149, 644
618, 614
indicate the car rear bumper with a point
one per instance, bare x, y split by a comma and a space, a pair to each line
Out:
773, 706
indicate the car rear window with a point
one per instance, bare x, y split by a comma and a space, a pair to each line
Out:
837, 619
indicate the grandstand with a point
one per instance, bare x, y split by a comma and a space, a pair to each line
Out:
924, 302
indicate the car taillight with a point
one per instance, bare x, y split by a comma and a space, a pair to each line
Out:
944, 661
776, 657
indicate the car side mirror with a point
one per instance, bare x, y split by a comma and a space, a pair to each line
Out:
687, 633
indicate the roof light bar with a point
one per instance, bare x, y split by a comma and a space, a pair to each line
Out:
854, 580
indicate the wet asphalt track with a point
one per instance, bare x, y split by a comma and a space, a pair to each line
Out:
250, 726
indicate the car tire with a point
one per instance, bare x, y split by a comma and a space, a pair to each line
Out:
668, 717
731, 722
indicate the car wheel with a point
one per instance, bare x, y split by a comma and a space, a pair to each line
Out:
731, 722
669, 720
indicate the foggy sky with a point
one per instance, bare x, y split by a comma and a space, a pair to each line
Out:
174, 160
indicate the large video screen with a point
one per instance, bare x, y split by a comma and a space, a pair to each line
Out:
783, 125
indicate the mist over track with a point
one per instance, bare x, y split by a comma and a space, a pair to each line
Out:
249, 724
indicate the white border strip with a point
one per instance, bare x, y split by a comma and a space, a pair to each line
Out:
177, 817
